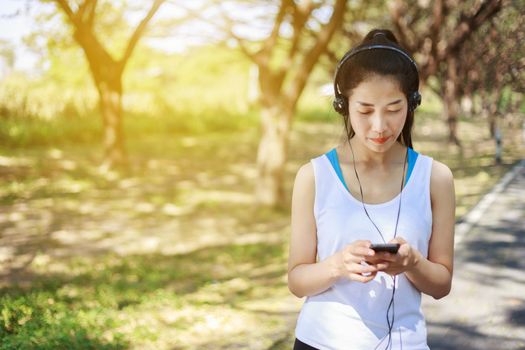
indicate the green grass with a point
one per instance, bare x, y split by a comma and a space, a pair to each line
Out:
99, 304
35, 132
35, 320
30, 132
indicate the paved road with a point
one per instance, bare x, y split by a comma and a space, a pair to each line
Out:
486, 307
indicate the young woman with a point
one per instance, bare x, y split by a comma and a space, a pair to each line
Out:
371, 189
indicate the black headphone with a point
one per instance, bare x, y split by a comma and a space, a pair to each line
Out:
340, 102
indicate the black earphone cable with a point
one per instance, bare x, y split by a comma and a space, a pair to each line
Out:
391, 304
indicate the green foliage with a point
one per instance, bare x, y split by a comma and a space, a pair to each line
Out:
35, 320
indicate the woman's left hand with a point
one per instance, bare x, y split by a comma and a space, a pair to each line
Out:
405, 260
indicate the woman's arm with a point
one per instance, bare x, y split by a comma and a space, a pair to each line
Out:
305, 275
433, 275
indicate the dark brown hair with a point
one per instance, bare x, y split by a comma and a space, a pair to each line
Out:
389, 63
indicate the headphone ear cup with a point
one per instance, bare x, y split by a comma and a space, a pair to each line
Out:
340, 105
414, 100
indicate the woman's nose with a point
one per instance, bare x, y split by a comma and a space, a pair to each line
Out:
378, 123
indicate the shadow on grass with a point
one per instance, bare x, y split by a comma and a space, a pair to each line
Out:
87, 304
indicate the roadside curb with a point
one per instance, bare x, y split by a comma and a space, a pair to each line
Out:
470, 219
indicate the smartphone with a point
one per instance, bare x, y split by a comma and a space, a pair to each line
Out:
387, 247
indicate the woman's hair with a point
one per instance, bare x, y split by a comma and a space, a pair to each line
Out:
367, 63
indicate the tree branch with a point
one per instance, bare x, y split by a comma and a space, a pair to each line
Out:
83, 35
241, 42
467, 25
67, 10
226, 27
398, 11
91, 15
138, 33
85, 12
300, 14
269, 44
313, 54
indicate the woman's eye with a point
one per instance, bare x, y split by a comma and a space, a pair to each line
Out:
370, 112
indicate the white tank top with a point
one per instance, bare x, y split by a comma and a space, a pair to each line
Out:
352, 315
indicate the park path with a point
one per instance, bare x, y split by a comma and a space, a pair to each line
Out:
486, 307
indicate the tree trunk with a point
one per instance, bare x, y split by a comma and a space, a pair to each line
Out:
278, 100
493, 108
106, 72
107, 76
272, 153
110, 93
450, 99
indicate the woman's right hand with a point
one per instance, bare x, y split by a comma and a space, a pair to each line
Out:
350, 262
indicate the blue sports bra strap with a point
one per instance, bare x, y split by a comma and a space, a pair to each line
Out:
332, 156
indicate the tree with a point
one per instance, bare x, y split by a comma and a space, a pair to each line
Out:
492, 63
106, 70
436, 31
299, 35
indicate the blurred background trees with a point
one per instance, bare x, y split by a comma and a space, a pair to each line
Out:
199, 64
436, 31
492, 66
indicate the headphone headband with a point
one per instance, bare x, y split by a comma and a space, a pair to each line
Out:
414, 98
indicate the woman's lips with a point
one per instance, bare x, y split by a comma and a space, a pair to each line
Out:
380, 140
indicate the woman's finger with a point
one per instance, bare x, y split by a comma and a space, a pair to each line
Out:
362, 251
382, 266
361, 278
365, 268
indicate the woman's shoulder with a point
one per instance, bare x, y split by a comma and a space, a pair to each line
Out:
304, 184
305, 173
441, 171
307, 169
441, 177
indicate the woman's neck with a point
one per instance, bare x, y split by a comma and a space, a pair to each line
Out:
395, 155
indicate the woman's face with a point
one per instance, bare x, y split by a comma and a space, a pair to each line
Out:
378, 110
